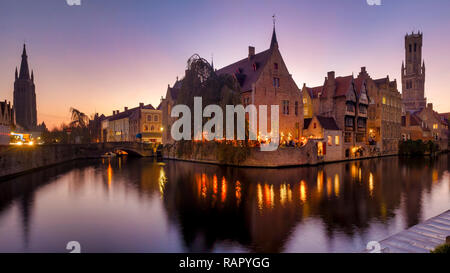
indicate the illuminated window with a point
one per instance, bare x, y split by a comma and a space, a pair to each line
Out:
435, 126
330, 140
336, 140
384, 100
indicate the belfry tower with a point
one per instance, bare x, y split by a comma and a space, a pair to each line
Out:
24, 95
413, 74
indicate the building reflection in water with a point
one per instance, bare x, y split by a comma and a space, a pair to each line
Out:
262, 210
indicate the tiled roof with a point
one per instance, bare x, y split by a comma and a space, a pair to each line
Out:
327, 123
247, 70
343, 85
306, 123
314, 91
380, 81
128, 113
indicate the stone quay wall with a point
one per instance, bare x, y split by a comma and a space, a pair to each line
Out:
210, 153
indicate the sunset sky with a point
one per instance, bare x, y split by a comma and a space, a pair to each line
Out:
107, 54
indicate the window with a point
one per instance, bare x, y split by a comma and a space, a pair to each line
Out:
149, 118
155, 118
336, 140
410, 48
314, 125
348, 137
152, 128
435, 126
350, 108
246, 101
296, 108
276, 82
361, 123
286, 107
330, 140
275, 66
145, 128
349, 121
363, 109
415, 47
384, 100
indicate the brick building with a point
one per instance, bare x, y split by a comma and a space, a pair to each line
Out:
264, 79
327, 133
143, 123
384, 112
341, 100
25, 95
434, 122
413, 74
7, 121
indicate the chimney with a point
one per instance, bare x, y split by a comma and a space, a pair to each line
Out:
251, 52
430, 106
363, 70
125, 109
331, 75
407, 119
141, 105
114, 112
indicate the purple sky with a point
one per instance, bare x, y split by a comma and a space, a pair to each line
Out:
104, 55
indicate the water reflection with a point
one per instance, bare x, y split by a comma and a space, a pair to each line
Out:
178, 206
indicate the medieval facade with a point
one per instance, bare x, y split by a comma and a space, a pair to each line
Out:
264, 79
7, 121
384, 112
25, 96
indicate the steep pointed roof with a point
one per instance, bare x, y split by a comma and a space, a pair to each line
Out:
247, 70
24, 70
314, 91
274, 41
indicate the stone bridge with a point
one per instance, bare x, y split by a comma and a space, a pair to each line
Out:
15, 160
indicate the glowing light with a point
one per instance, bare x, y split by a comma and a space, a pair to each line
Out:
238, 192
223, 190
303, 191
371, 184
260, 196
329, 186
336, 185
162, 181
435, 176
320, 181
283, 194
110, 175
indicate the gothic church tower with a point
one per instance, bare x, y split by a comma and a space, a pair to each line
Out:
25, 96
413, 74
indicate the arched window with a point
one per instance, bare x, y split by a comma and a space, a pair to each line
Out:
145, 128
149, 118
155, 118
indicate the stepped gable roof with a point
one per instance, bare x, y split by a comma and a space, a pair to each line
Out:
247, 70
358, 85
343, 85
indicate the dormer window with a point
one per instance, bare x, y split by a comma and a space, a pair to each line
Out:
275, 66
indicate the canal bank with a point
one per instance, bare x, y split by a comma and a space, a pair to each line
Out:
239, 156
18, 160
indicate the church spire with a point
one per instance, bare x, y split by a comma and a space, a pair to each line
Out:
17, 74
24, 70
274, 42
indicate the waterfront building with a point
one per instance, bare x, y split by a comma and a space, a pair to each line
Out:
143, 124
310, 97
384, 112
413, 74
25, 95
95, 128
434, 122
348, 105
7, 121
264, 79
413, 128
166, 106
327, 134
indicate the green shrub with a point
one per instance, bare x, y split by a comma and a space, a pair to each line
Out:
443, 249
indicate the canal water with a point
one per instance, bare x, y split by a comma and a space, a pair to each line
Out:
140, 205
